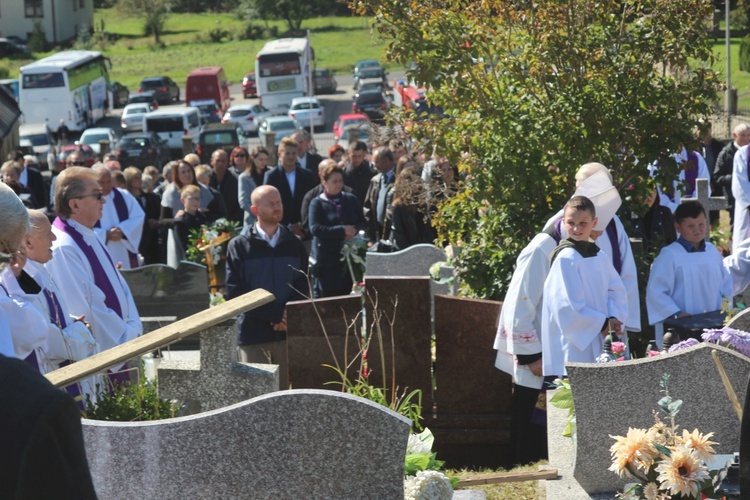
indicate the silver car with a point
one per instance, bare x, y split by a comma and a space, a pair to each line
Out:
282, 126
309, 112
248, 116
132, 117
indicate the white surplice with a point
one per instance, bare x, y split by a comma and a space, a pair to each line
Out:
741, 192
70, 268
682, 281
579, 295
628, 273
28, 327
132, 227
738, 266
519, 326
74, 342
703, 173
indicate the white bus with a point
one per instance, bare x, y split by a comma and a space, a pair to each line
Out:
282, 72
70, 85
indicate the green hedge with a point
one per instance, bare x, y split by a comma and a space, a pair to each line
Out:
745, 54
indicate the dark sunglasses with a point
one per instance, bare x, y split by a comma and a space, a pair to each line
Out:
77, 163
240, 155
98, 196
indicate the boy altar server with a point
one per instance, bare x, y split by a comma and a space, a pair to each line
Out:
584, 296
688, 276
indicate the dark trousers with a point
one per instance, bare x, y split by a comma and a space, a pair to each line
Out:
528, 439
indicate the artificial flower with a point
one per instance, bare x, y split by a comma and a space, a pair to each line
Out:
417, 445
684, 345
633, 450
651, 491
618, 347
651, 354
428, 485
698, 442
683, 472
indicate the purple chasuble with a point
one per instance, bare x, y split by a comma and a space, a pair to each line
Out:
691, 173
100, 276
122, 214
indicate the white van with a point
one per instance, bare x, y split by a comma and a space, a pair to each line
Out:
36, 137
171, 124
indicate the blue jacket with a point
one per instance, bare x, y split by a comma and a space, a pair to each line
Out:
253, 264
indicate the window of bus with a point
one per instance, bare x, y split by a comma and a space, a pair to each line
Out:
87, 73
43, 80
33, 8
279, 64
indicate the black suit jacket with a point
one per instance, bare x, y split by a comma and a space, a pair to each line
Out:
304, 182
229, 189
35, 183
312, 161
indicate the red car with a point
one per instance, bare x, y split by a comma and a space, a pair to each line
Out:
249, 88
83, 148
346, 121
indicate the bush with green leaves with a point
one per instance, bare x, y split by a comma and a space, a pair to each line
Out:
130, 402
37, 39
531, 94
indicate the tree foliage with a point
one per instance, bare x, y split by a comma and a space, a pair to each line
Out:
533, 90
293, 12
153, 12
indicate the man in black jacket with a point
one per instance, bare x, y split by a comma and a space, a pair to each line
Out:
307, 159
267, 255
358, 172
293, 183
722, 173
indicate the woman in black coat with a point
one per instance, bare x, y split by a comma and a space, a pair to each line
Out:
335, 216
152, 240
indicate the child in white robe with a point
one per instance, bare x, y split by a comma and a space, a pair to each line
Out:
584, 297
688, 276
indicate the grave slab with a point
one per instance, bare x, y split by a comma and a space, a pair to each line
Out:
307, 347
160, 290
286, 445
217, 379
413, 261
611, 397
741, 321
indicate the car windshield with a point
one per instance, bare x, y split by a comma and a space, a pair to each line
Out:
226, 137
281, 125
133, 142
94, 138
371, 73
135, 111
352, 123
236, 113
372, 86
37, 139
305, 105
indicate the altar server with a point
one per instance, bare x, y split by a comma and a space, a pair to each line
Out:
121, 225
738, 266
584, 296
81, 263
688, 276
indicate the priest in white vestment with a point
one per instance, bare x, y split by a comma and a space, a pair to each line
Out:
741, 192
83, 266
688, 276
684, 186
121, 225
738, 266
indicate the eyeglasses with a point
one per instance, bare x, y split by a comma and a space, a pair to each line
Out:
240, 155
98, 195
77, 163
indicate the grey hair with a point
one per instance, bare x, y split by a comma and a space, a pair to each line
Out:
740, 127
71, 184
14, 223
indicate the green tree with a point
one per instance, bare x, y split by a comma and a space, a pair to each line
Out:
291, 11
533, 90
37, 39
153, 12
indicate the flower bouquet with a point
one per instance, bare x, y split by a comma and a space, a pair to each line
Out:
423, 479
665, 462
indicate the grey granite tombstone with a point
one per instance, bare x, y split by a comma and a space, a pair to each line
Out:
413, 261
160, 290
287, 445
217, 379
741, 321
611, 397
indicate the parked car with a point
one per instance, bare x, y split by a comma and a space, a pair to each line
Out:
372, 103
120, 94
18, 42
141, 149
324, 82
215, 136
363, 130
364, 63
283, 126
132, 116
84, 149
210, 112
346, 121
249, 116
37, 138
8, 48
163, 87
249, 88
92, 136
147, 97
303, 108
369, 72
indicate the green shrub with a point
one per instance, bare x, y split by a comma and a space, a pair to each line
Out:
130, 403
272, 32
37, 39
217, 34
4, 72
251, 31
745, 54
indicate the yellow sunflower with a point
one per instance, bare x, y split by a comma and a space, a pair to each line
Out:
698, 442
682, 473
634, 449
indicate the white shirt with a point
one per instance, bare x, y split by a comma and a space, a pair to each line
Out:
22, 328
741, 192
271, 240
291, 178
132, 227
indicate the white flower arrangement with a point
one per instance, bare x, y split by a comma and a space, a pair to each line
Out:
428, 485
423, 480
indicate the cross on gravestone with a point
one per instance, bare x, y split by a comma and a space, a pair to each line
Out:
217, 379
710, 203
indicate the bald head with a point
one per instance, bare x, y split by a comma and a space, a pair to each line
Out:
267, 206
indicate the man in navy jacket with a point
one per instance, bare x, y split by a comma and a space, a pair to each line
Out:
267, 255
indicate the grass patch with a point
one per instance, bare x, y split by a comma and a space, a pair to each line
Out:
521, 490
740, 79
338, 43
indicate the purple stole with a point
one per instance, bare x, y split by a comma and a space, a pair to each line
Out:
100, 276
691, 173
58, 318
122, 214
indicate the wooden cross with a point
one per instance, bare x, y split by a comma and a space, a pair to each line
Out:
213, 277
710, 203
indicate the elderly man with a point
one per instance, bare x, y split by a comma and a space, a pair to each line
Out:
224, 180
121, 225
306, 159
293, 183
268, 257
93, 285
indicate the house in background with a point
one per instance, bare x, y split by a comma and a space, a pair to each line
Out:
61, 19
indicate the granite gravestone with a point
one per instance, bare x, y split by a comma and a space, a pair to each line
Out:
710, 203
472, 397
611, 397
160, 290
413, 261
741, 321
217, 379
286, 445
310, 344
